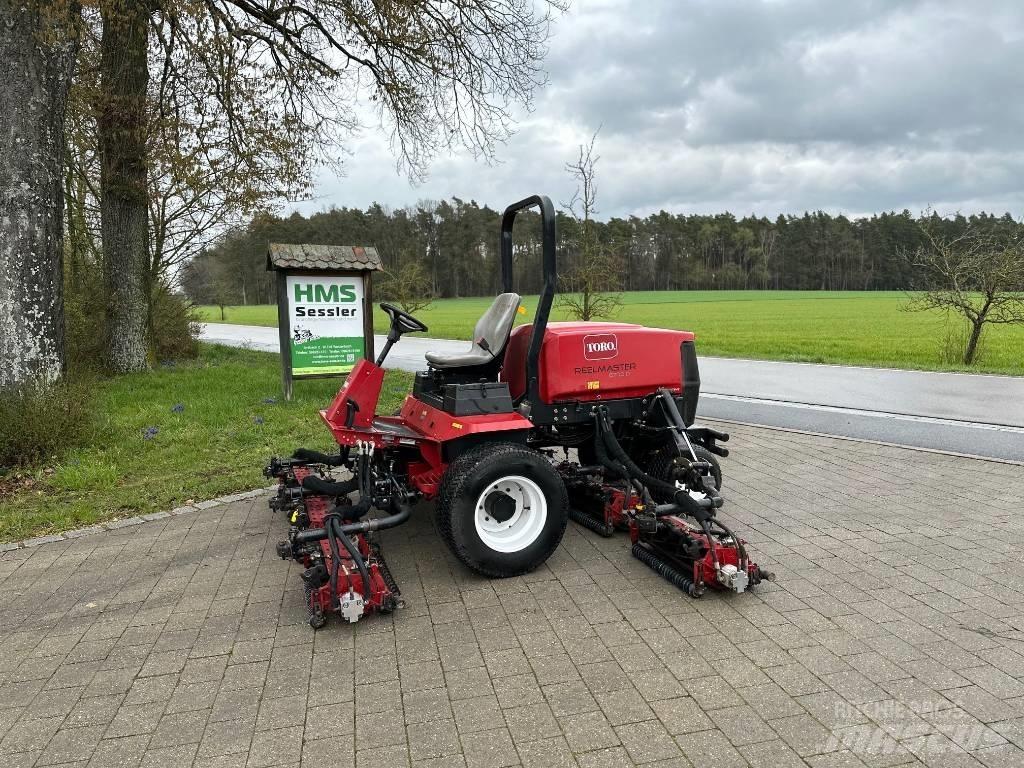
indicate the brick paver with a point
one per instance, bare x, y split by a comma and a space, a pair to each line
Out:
894, 636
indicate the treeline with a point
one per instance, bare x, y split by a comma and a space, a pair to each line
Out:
456, 242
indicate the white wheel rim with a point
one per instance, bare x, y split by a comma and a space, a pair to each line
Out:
527, 521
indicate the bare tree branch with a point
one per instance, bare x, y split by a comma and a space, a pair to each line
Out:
978, 274
593, 285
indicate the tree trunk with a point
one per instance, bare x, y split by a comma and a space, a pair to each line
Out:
124, 208
37, 54
977, 326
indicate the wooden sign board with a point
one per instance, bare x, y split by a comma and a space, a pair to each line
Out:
324, 309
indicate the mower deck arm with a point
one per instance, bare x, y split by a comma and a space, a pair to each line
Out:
311, 535
709, 438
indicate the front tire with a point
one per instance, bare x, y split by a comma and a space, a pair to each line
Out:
502, 509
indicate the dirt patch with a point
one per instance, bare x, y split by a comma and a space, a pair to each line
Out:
12, 485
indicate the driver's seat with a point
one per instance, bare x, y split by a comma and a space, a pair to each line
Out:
489, 337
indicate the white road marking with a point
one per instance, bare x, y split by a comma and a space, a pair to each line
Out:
861, 412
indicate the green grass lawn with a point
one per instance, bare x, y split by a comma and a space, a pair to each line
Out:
851, 327
232, 419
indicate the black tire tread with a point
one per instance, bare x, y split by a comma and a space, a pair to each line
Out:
451, 489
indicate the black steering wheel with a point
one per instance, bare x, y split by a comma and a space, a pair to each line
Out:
402, 321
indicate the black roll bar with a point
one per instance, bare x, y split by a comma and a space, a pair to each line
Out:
547, 295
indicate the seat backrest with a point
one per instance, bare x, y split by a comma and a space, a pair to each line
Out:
495, 325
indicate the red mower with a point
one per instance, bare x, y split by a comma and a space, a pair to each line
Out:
481, 435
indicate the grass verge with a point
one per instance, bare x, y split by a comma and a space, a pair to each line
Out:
184, 433
840, 327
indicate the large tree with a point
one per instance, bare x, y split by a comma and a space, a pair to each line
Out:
250, 73
37, 53
199, 182
124, 199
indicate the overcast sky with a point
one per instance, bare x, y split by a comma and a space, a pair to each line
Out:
751, 106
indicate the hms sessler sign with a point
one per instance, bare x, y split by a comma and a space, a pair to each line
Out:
326, 321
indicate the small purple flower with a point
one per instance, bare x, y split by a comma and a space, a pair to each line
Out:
257, 420
178, 408
150, 432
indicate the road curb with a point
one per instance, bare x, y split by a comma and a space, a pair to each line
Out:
127, 522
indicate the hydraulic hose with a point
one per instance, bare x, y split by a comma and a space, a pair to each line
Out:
739, 544
311, 535
601, 453
682, 498
336, 534
357, 510
327, 487
669, 404
620, 459
380, 523
365, 478
357, 558
332, 537
711, 545
307, 454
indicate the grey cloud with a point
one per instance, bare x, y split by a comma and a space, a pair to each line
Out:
927, 73
766, 107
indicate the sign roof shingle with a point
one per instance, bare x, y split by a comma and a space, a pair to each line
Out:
326, 257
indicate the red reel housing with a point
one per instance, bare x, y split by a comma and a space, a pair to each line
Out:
354, 600
692, 558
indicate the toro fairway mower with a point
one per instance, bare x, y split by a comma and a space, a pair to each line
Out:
487, 435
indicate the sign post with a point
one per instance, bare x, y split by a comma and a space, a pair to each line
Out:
324, 308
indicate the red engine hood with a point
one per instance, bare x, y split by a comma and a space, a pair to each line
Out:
597, 361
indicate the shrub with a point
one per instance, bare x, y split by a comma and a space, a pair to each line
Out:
174, 330
39, 421
84, 318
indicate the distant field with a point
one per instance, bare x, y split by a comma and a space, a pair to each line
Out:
851, 327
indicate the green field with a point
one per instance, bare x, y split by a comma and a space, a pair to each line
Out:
856, 328
230, 420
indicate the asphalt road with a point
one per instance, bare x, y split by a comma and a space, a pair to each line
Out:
962, 413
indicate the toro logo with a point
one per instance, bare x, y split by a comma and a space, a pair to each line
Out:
600, 346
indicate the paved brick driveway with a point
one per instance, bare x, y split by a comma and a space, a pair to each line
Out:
895, 635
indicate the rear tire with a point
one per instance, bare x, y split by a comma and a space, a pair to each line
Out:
502, 509
660, 463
